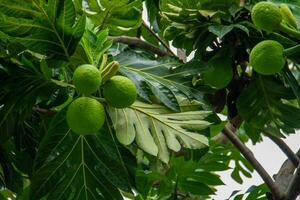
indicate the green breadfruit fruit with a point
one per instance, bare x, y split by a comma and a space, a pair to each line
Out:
266, 16
220, 71
267, 57
87, 79
119, 92
85, 116
288, 16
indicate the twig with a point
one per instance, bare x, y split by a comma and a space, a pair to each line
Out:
44, 111
158, 38
246, 152
285, 148
140, 43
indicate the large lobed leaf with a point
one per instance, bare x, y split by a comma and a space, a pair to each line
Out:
164, 78
69, 166
47, 27
156, 129
264, 107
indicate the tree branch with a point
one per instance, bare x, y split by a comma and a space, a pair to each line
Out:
284, 176
140, 43
234, 124
285, 148
246, 152
294, 187
159, 39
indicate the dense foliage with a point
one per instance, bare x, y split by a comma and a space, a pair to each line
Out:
168, 144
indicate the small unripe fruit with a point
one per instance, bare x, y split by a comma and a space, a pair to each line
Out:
87, 79
119, 92
267, 57
85, 116
266, 16
288, 16
220, 71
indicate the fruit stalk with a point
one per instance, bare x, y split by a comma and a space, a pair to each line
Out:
292, 50
291, 32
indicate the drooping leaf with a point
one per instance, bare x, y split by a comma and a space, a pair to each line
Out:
292, 81
47, 27
69, 166
262, 106
156, 129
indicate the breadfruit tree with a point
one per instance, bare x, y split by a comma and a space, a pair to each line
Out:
146, 99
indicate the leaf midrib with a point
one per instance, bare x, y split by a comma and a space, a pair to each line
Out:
54, 29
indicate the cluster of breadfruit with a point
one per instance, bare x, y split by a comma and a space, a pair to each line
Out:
86, 114
269, 56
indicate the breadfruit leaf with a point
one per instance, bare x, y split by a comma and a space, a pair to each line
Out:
162, 78
264, 107
47, 27
157, 130
69, 166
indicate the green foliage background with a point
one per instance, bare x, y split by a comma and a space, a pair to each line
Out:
161, 147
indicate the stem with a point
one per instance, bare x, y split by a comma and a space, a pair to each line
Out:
44, 111
101, 100
140, 43
291, 32
158, 38
175, 189
292, 50
246, 152
285, 148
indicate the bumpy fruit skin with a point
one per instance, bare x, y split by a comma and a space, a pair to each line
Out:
267, 57
266, 16
119, 92
87, 79
85, 116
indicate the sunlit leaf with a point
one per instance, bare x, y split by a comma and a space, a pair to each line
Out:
156, 129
